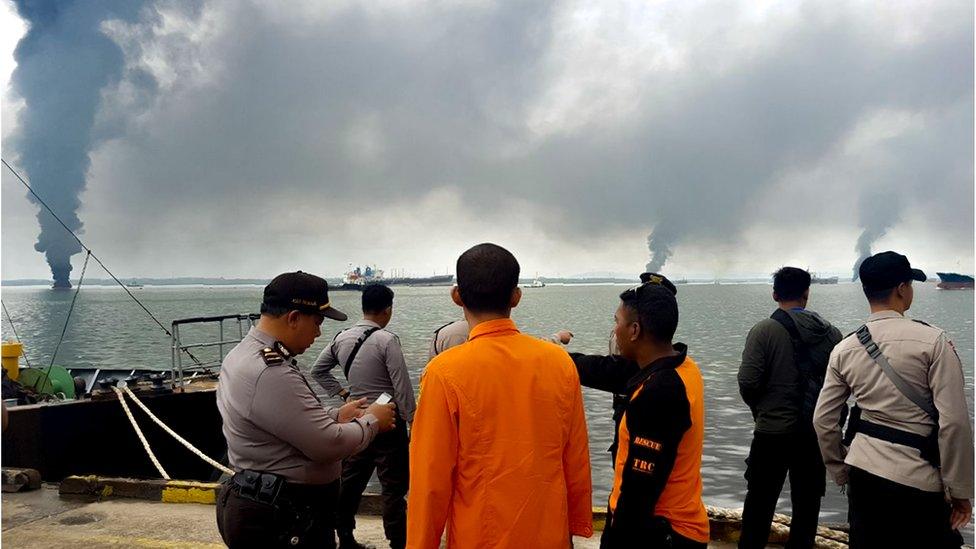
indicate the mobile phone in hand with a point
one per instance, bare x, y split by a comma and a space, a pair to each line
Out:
384, 398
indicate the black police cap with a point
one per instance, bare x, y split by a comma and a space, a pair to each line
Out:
887, 270
659, 279
302, 292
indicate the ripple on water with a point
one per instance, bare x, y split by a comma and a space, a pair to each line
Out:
109, 331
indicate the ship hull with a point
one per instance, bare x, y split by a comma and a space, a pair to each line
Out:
955, 285
444, 280
955, 281
94, 437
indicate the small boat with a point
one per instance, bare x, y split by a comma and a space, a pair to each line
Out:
537, 283
955, 281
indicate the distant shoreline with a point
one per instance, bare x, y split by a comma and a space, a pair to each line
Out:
197, 281
136, 282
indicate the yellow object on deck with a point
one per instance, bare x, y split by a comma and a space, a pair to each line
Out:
10, 357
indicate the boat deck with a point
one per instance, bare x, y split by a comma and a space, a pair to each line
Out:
42, 519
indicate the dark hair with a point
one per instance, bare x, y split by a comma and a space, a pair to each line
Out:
656, 309
376, 298
274, 311
790, 283
878, 296
486, 276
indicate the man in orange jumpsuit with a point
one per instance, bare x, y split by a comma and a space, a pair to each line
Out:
499, 451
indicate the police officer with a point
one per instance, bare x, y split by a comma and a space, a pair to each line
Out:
373, 362
449, 335
909, 466
286, 448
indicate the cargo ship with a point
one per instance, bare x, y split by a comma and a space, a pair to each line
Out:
823, 279
359, 277
955, 281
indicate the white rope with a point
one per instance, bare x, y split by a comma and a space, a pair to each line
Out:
173, 434
145, 444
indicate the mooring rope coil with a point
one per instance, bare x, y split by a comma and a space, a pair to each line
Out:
217, 465
142, 437
827, 538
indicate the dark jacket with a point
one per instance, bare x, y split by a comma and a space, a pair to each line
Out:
610, 373
768, 376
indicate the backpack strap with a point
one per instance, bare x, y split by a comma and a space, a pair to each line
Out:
355, 350
799, 347
911, 393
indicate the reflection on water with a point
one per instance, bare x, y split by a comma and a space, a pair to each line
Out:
110, 331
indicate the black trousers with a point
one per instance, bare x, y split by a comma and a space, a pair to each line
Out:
653, 533
389, 455
883, 513
771, 458
305, 512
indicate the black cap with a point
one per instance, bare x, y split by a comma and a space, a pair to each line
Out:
659, 279
302, 292
887, 270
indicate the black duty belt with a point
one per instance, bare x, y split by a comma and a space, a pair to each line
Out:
294, 508
257, 486
272, 489
927, 446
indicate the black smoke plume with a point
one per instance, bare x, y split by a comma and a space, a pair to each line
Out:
878, 212
63, 64
659, 243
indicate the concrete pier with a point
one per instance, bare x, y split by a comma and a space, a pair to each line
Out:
41, 519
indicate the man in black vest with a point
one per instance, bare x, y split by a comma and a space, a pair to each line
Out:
611, 373
780, 377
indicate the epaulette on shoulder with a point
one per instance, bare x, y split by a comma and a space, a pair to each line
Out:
921, 322
271, 357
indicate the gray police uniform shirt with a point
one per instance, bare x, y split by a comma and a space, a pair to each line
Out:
447, 336
273, 422
378, 368
927, 360
456, 333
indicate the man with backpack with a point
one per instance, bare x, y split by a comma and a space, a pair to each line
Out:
782, 372
908, 465
373, 362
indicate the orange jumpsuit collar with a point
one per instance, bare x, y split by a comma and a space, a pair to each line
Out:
492, 328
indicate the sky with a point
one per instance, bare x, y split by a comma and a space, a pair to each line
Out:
243, 139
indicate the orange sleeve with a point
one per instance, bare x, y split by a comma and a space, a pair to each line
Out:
576, 465
433, 460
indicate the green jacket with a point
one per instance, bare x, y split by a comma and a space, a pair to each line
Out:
768, 377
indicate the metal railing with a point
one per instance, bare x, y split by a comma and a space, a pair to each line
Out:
179, 348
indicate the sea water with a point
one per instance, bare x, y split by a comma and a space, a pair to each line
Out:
109, 330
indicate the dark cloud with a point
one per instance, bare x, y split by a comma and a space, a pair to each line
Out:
63, 63
365, 107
